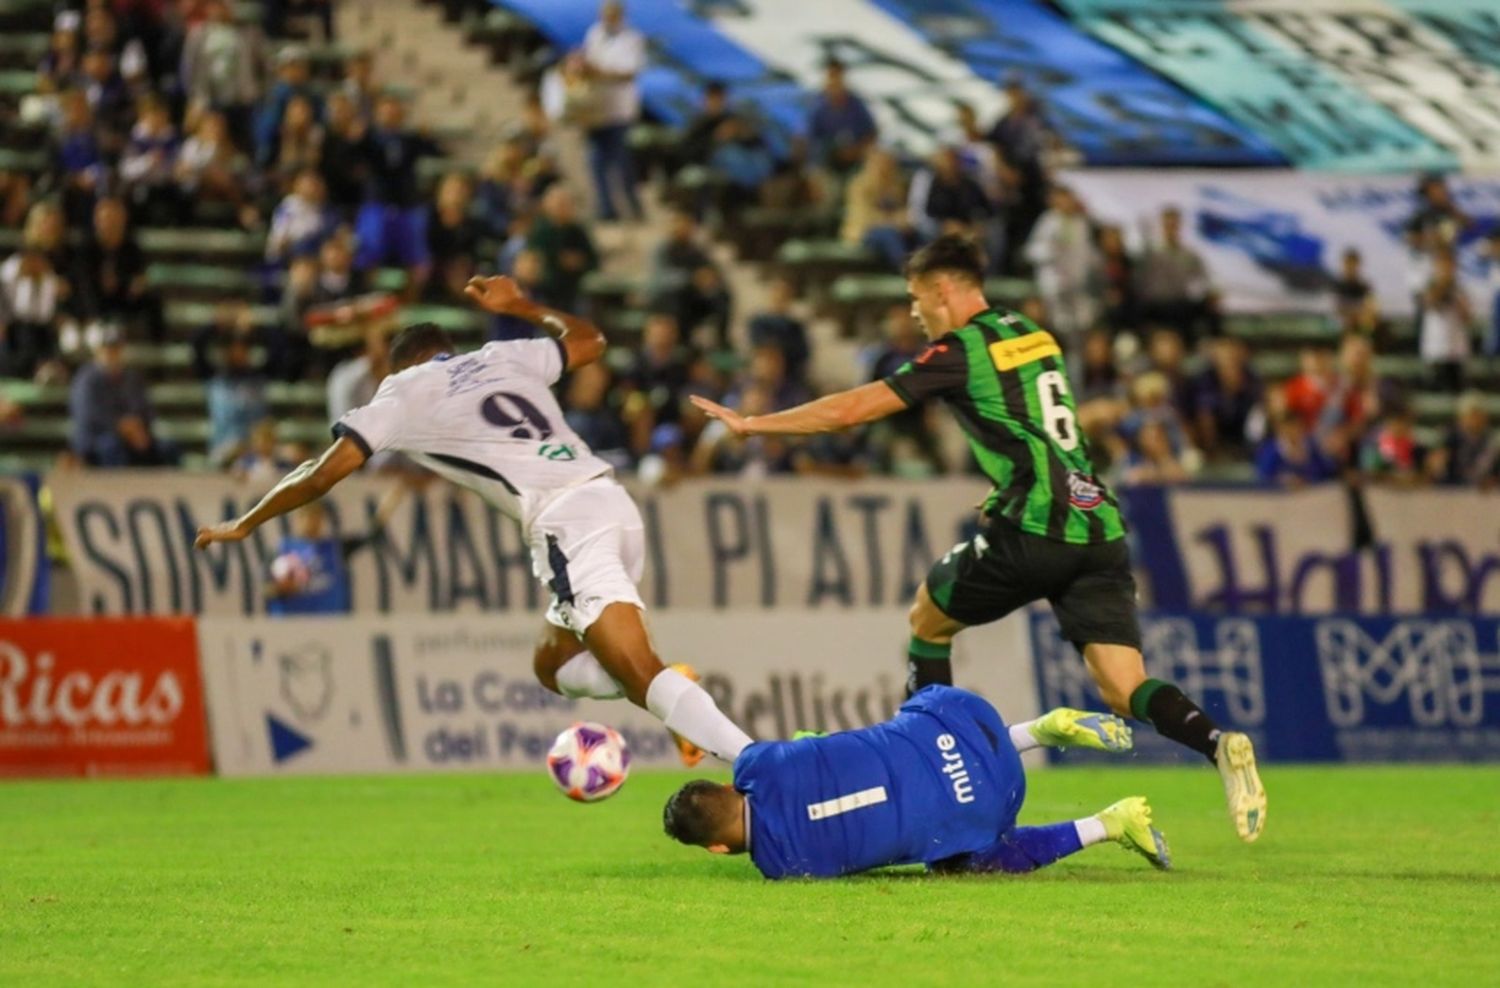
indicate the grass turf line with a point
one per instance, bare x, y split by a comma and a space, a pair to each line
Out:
1367, 875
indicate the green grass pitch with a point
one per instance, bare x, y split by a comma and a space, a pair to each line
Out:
1365, 876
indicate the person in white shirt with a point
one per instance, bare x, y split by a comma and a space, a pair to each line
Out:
488, 421
615, 53
1447, 323
1068, 268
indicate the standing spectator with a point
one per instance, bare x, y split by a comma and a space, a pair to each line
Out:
698, 138
111, 414
344, 162
1447, 321
945, 199
1470, 453
875, 210
616, 54
1067, 268
841, 128
685, 278
779, 326
111, 274
1228, 396
1172, 283
1117, 275
210, 169
392, 223
302, 222
1352, 294
149, 165
1438, 221
565, 247
223, 68
31, 308
236, 401
1291, 458
1020, 136
453, 237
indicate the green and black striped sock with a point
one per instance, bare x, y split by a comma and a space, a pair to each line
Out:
927, 664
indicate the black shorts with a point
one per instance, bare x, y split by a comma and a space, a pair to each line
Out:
1090, 587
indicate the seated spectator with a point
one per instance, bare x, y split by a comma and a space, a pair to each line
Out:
1290, 457
392, 223
840, 127
302, 222
697, 141
344, 162
1226, 400
359, 85
299, 143
565, 247
110, 413
766, 371
109, 99
149, 165
1470, 453
1153, 458
589, 414
62, 66
293, 80
1099, 378
32, 296
720, 451
741, 157
230, 319
211, 170
453, 238
110, 276
236, 401
685, 279
1354, 302
299, 293
660, 370
264, 462
976, 153
1067, 264
944, 199
1167, 356
45, 229
875, 210
501, 189
1117, 276
1151, 396
526, 269
310, 574
1309, 390
353, 383
77, 158
780, 327
1393, 454
1358, 398
796, 183
1172, 284
224, 68
1447, 321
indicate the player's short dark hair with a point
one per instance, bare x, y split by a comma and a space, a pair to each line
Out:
417, 342
948, 254
695, 813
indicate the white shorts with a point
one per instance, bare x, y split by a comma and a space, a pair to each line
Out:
589, 547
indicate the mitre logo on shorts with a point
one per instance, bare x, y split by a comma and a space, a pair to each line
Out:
1084, 493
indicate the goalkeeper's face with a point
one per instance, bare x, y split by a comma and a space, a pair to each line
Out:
707, 815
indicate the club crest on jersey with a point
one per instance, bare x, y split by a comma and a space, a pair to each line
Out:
1083, 493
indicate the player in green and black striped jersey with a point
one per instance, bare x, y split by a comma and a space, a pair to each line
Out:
1052, 528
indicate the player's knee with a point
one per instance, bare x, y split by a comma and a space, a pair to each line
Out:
926, 621
544, 664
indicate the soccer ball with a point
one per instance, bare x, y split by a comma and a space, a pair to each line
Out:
290, 573
589, 762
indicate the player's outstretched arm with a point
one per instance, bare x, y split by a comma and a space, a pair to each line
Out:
580, 338
844, 410
307, 483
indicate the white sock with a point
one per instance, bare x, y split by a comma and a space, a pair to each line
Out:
583, 676
1090, 831
684, 707
1020, 736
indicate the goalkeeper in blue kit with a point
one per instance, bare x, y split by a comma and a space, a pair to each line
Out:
940, 784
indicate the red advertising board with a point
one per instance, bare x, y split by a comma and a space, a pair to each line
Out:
101, 696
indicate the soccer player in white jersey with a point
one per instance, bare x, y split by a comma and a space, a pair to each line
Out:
488, 421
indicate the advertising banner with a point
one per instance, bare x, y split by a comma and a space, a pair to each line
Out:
1336, 688
100, 697
24, 573
1272, 240
775, 544
315, 695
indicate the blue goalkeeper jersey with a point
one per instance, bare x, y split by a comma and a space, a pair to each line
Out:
940, 779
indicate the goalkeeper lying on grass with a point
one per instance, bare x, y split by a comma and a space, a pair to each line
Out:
939, 784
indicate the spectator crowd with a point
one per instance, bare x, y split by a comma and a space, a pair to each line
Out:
173, 113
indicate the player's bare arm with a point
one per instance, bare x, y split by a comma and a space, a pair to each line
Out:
305, 484
866, 403
581, 339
